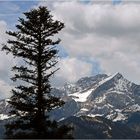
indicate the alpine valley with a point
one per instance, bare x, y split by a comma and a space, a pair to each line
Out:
97, 107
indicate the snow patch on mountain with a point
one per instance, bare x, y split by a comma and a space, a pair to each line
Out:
135, 107
100, 99
6, 101
120, 117
107, 79
94, 115
84, 109
3, 117
81, 96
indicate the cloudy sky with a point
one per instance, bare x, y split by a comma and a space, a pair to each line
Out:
99, 37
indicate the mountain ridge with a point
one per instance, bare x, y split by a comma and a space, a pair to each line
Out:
86, 127
112, 97
98, 107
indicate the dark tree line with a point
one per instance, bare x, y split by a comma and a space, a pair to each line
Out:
31, 100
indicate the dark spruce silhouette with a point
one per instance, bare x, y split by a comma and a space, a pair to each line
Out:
31, 99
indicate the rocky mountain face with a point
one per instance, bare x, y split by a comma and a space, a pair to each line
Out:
99, 128
105, 105
112, 97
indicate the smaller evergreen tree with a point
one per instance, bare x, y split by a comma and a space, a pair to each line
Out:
31, 100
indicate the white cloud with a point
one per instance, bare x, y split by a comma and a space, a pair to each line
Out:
6, 62
71, 69
3, 27
109, 33
5, 89
103, 32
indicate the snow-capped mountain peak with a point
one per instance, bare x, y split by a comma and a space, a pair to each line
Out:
85, 86
101, 95
113, 97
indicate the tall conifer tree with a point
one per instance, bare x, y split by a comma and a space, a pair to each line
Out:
31, 100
